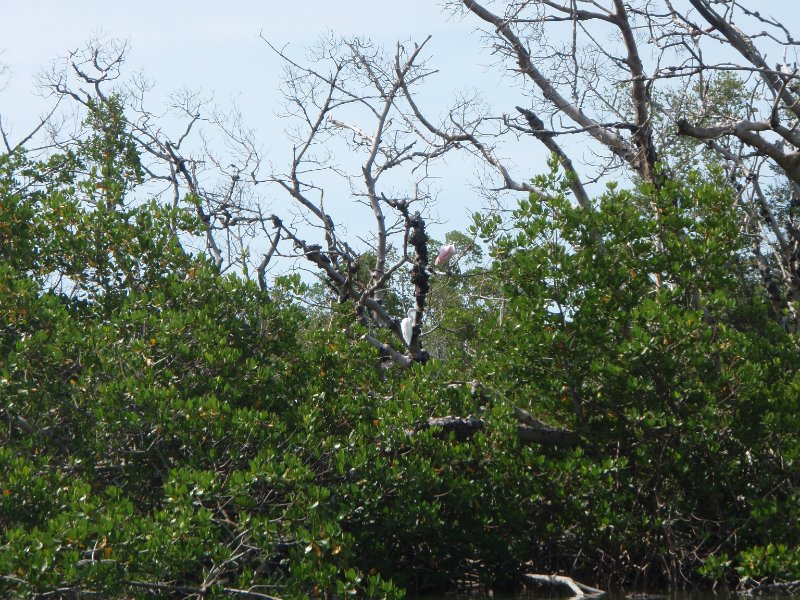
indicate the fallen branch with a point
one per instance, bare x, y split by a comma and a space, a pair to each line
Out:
199, 591
463, 427
577, 589
534, 432
547, 436
750, 587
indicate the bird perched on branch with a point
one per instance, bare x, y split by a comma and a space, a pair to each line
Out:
534, 122
445, 254
407, 327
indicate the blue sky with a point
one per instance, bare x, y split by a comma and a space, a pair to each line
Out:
205, 45
215, 47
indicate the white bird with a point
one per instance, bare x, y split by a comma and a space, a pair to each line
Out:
445, 254
407, 327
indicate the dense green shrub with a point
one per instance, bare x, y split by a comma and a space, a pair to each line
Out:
167, 429
639, 324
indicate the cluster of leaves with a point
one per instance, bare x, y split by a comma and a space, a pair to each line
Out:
167, 430
639, 324
162, 429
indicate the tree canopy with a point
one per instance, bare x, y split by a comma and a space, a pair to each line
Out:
601, 380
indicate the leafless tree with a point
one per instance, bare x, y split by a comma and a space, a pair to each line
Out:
599, 69
354, 99
192, 153
590, 71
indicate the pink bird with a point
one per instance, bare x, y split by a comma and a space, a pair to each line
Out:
445, 254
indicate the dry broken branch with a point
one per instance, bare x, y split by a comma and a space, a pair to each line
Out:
575, 588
